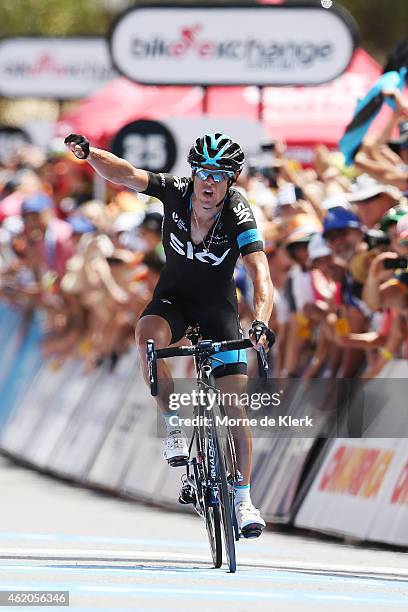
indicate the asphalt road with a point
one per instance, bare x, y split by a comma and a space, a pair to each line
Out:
117, 555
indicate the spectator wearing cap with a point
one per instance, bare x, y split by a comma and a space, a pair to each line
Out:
326, 299
372, 199
74, 280
298, 292
80, 225
388, 225
49, 238
343, 231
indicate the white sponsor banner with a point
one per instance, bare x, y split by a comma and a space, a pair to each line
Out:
286, 456
390, 524
260, 45
131, 459
88, 427
118, 450
58, 414
143, 148
21, 429
361, 490
54, 67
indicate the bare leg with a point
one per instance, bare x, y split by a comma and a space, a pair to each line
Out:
153, 327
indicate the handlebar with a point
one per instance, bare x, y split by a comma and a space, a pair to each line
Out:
203, 347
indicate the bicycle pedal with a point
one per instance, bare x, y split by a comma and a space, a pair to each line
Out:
252, 531
178, 462
187, 496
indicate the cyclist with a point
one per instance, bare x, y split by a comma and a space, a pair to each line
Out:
207, 225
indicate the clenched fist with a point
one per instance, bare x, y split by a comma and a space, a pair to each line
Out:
78, 144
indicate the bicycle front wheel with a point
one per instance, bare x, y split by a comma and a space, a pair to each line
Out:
225, 498
213, 525
210, 509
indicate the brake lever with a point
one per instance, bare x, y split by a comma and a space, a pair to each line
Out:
262, 359
262, 363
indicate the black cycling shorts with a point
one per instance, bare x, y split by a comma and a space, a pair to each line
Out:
218, 320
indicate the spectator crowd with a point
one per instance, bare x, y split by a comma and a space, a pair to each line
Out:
336, 240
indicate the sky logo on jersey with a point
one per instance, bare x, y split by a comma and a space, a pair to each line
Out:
188, 251
243, 213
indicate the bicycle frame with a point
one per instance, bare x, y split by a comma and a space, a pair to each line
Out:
205, 381
217, 506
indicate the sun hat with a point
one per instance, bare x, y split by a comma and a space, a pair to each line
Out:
366, 187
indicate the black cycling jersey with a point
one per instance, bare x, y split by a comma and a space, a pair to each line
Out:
190, 269
196, 284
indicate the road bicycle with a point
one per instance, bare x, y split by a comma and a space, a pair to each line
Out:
211, 466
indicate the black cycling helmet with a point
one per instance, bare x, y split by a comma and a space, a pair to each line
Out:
216, 150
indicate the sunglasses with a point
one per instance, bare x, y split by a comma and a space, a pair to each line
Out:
217, 175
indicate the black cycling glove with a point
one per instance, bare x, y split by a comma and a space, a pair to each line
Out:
258, 328
77, 139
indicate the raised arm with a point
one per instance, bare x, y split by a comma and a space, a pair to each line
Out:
108, 165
